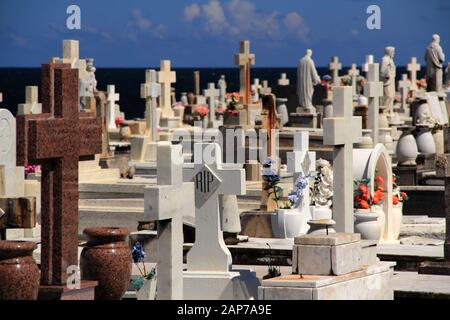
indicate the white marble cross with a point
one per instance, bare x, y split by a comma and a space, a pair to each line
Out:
404, 85
150, 91
334, 67
413, 68
373, 90
256, 87
31, 105
244, 59
209, 252
341, 131
301, 161
112, 98
71, 55
166, 77
265, 89
365, 65
165, 203
11, 177
353, 72
283, 81
211, 94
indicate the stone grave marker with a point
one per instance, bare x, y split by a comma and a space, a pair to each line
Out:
373, 90
404, 85
369, 60
150, 91
244, 59
283, 81
112, 97
413, 68
334, 67
341, 131
31, 105
353, 72
212, 94
166, 77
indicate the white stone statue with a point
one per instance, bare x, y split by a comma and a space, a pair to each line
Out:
387, 75
307, 78
87, 84
434, 58
222, 85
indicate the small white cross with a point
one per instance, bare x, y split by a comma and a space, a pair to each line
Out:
244, 59
404, 85
265, 89
283, 81
353, 72
150, 91
413, 68
166, 77
335, 66
31, 105
373, 90
112, 98
211, 94
369, 60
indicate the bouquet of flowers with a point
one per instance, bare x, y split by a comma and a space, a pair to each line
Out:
138, 255
363, 199
272, 180
398, 195
201, 111
233, 100
295, 197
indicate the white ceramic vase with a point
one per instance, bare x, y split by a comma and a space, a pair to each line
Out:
289, 223
407, 150
366, 223
425, 141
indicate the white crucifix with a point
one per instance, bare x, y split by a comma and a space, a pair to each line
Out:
353, 72
112, 98
334, 67
341, 131
373, 90
166, 77
31, 105
256, 87
165, 203
413, 68
301, 161
244, 59
404, 85
265, 89
212, 94
365, 65
283, 81
150, 91
209, 252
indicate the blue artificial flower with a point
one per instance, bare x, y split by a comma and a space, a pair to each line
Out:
267, 163
293, 198
138, 252
301, 183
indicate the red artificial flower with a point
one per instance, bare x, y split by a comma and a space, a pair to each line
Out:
379, 194
375, 199
118, 121
395, 200
365, 196
364, 205
403, 195
379, 180
363, 188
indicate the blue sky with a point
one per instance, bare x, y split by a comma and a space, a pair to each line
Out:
206, 33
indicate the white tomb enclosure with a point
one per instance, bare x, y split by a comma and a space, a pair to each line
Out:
209, 274
367, 164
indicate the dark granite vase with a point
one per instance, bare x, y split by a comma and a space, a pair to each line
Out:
19, 274
106, 258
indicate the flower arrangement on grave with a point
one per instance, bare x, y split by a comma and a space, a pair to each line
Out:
118, 121
295, 197
138, 255
233, 100
322, 188
398, 196
272, 179
362, 197
32, 168
201, 111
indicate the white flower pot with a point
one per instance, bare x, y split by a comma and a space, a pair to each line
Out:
289, 223
148, 290
366, 223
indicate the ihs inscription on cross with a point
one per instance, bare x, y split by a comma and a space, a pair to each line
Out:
56, 139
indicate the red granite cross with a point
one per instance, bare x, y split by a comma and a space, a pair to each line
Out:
56, 139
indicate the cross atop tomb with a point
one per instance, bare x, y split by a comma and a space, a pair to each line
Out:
150, 91
369, 60
265, 89
112, 98
166, 77
341, 131
56, 139
353, 72
209, 252
413, 68
334, 67
31, 105
244, 59
283, 81
165, 203
211, 94
404, 85
373, 90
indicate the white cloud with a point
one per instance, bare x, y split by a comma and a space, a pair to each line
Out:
215, 17
191, 12
140, 27
296, 24
139, 20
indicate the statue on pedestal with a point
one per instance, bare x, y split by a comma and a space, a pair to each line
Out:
87, 84
307, 78
434, 58
387, 75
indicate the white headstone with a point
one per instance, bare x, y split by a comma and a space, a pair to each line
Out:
209, 252
404, 85
112, 98
166, 77
11, 177
373, 90
413, 68
166, 203
283, 81
341, 131
353, 72
334, 67
150, 91
31, 105
211, 94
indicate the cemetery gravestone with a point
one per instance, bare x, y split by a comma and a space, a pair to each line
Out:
244, 59
31, 105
